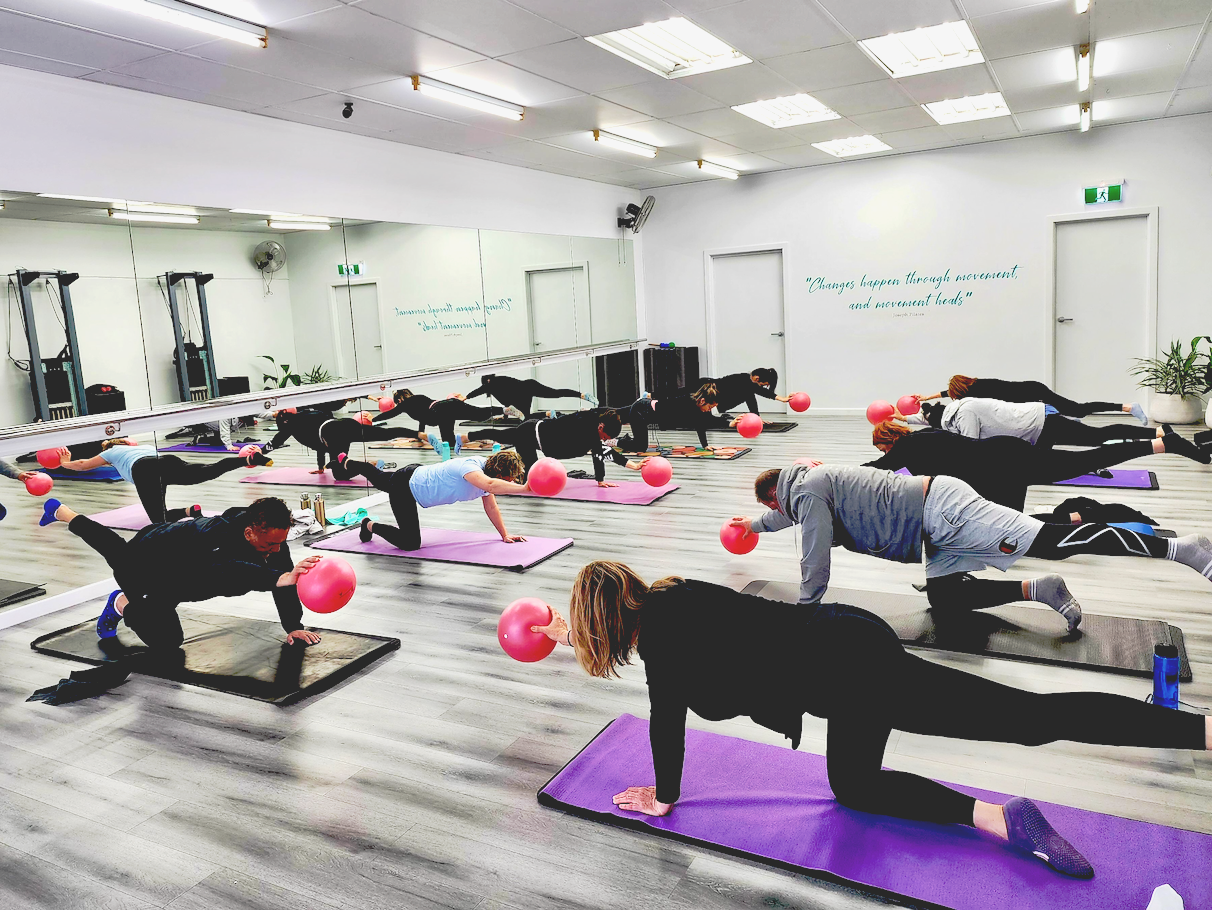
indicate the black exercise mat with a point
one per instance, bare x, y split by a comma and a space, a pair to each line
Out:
1112, 643
510, 421
247, 657
775, 426
12, 592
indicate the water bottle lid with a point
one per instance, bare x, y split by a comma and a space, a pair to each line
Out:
1167, 651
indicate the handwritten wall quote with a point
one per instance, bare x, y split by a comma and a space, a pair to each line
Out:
912, 291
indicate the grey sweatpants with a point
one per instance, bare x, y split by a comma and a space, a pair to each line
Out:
966, 533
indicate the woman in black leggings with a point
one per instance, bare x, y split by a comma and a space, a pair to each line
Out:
1006, 390
724, 654
684, 410
442, 413
152, 473
520, 393
330, 436
980, 418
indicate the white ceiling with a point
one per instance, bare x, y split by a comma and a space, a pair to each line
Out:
1151, 60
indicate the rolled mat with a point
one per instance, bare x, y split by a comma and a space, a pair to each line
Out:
104, 474
1119, 480
301, 477
1115, 644
627, 493
131, 518
773, 805
473, 548
12, 592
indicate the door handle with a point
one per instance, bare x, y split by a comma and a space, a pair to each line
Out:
1064, 319
776, 334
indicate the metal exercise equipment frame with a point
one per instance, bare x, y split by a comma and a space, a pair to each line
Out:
74, 403
203, 384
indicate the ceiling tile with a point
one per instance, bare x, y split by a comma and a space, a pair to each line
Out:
905, 118
582, 142
1029, 29
741, 84
992, 128
1138, 107
976, 8
216, 79
633, 177
42, 64
921, 138
295, 62
746, 162
1163, 79
455, 137
1148, 51
1118, 18
41, 38
172, 91
802, 156
770, 28
702, 147
664, 98
1032, 82
1200, 71
954, 83
582, 112
359, 128
490, 27
380, 118
718, 122
656, 132
109, 22
826, 67
822, 132
566, 161
269, 12
867, 20
694, 7
865, 98
1192, 100
500, 80
582, 65
1065, 117
762, 141
355, 33
596, 18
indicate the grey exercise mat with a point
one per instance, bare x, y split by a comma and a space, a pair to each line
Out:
1113, 643
247, 657
12, 592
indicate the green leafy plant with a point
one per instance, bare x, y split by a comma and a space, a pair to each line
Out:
317, 374
1177, 373
280, 379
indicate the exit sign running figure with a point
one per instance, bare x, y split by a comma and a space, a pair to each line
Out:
1111, 193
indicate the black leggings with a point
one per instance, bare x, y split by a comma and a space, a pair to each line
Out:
1071, 408
895, 690
1061, 431
153, 619
1047, 465
399, 495
523, 438
522, 396
639, 417
445, 413
338, 435
154, 474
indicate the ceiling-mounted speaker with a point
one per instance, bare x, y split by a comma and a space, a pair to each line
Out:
635, 215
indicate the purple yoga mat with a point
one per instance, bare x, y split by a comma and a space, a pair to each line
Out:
474, 548
301, 477
774, 805
1119, 480
628, 492
130, 518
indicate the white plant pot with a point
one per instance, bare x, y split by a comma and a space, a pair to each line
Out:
1175, 408
1208, 414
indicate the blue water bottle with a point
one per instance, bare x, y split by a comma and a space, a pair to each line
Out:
1165, 676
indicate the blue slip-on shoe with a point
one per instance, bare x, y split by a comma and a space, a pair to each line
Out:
593, 401
458, 444
107, 622
48, 512
1029, 830
434, 441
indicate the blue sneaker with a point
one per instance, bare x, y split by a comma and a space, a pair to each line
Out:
458, 443
434, 440
48, 512
593, 401
107, 622
496, 447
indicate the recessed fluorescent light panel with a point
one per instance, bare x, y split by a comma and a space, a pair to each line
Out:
790, 110
1085, 117
718, 170
298, 225
1083, 67
925, 50
197, 18
973, 107
467, 98
855, 145
1083, 6
153, 217
672, 48
624, 145
281, 216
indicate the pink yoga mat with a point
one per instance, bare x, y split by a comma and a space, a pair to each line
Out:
130, 518
628, 492
443, 545
301, 477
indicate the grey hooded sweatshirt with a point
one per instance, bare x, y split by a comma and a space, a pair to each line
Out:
863, 509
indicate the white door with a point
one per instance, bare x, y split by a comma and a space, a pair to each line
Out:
553, 298
367, 328
1102, 307
747, 318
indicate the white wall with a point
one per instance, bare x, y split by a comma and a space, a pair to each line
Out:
981, 208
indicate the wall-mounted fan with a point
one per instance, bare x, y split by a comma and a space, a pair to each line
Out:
268, 257
636, 215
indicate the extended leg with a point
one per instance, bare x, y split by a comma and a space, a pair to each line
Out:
149, 484
1071, 408
408, 535
1062, 431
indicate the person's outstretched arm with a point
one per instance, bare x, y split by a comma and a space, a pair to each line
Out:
84, 464
667, 739
493, 511
495, 485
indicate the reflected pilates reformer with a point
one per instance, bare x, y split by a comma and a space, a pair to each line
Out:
194, 365
57, 383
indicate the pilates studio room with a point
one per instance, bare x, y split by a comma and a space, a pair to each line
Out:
427, 428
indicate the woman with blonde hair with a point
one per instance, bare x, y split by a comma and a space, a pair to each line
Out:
961, 386
722, 654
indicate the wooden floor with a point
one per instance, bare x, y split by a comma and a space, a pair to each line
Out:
413, 784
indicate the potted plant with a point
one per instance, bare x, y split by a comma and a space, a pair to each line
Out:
1177, 380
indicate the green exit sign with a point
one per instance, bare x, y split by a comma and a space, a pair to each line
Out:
1113, 192
351, 269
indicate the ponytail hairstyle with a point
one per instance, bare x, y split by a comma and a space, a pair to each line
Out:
888, 432
933, 412
707, 394
402, 395
959, 386
768, 376
605, 612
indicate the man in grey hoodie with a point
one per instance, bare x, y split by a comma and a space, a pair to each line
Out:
900, 517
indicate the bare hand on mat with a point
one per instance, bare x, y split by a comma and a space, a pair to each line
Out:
641, 799
513, 538
606, 483
302, 635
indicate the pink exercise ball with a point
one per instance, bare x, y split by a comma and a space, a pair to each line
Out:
328, 585
49, 458
248, 450
879, 411
39, 484
749, 426
386, 403
656, 471
908, 404
547, 477
800, 401
513, 630
364, 418
737, 539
